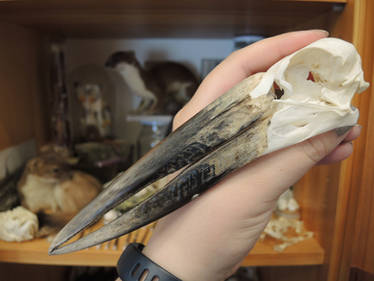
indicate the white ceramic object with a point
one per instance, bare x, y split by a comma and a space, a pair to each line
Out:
18, 224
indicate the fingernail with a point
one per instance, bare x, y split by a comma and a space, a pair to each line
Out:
358, 128
324, 32
342, 130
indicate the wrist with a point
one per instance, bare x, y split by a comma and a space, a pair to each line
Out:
188, 263
134, 265
168, 257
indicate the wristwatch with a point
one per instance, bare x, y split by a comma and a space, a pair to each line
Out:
133, 265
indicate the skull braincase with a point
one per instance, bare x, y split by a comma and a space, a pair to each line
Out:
318, 84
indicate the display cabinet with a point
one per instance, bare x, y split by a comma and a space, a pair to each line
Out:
336, 200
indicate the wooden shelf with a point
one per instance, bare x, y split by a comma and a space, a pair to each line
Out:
145, 18
308, 252
106, 254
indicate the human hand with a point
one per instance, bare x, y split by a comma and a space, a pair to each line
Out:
208, 238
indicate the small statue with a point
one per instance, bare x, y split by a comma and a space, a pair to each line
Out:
287, 205
164, 87
96, 120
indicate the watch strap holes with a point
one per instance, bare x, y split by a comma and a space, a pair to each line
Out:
144, 275
136, 267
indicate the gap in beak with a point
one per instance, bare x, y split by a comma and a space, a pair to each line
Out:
140, 196
119, 209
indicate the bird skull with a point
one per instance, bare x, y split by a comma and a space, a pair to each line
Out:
318, 83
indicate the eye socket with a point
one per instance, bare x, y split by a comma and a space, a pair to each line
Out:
278, 91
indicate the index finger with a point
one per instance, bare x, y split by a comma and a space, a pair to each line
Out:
255, 58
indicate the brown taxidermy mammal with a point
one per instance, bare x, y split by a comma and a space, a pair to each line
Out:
164, 86
49, 186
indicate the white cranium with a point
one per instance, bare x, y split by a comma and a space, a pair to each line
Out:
308, 108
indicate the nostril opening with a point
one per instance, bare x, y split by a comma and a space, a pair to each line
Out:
278, 91
315, 77
310, 77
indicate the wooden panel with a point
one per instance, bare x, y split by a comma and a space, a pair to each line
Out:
22, 272
341, 27
304, 273
329, 1
332, 212
317, 194
147, 18
363, 247
308, 252
351, 229
106, 254
360, 275
19, 86
36, 252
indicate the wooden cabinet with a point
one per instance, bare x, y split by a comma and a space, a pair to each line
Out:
336, 200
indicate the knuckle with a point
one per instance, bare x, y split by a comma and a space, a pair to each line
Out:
179, 118
176, 120
316, 149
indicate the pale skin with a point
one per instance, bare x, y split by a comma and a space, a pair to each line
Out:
209, 237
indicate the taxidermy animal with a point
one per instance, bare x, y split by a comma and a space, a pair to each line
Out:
164, 87
49, 186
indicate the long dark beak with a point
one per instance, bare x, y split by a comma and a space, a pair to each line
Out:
221, 138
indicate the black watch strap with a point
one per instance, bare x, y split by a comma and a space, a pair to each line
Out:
132, 264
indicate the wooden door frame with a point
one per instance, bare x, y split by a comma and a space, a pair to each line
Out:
355, 195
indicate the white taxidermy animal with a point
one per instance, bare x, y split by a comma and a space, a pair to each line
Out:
164, 87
